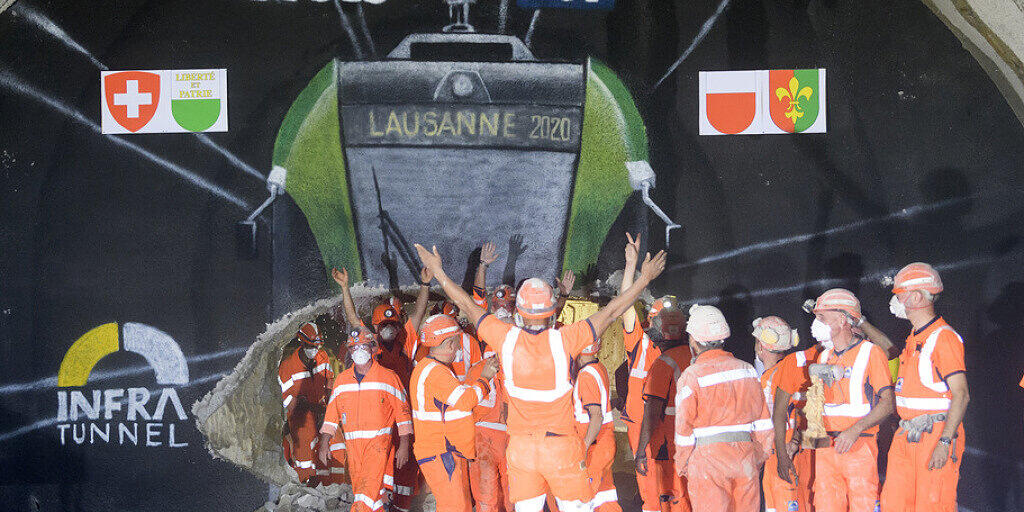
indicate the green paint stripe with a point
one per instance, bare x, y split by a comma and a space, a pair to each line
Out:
300, 110
635, 132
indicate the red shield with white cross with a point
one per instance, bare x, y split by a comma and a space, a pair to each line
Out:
132, 97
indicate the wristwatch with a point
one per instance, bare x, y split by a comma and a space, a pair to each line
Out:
946, 441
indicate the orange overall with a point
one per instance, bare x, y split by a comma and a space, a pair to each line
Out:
661, 383
367, 409
849, 481
400, 359
794, 379
931, 356
592, 388
723, 432
640, 356
779, 495
442, 413
488, 473
544, 450
305, 386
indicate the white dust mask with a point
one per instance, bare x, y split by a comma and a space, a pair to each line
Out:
897, 308
360, 356
821, 331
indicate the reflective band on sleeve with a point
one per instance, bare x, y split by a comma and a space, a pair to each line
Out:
456, 394
288, 400
369, 502
368, 386
801, 359
534, 504
389, 480
304, 464
490, 425
683, 393
403, 490
923, 404
685, 440
297, 376
401, 423
726, 376
321, 367
337, 471
367, 434
337, 446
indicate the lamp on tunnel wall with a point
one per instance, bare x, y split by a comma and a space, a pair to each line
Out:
247, 231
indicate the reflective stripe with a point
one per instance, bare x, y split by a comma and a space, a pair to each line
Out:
711, 431
305, 464
923, 404
421, 413
670, 411
366, 500
860, 367
337, 446
400, 423
455, 395
682, 440
367, 434
368, 386
925, 371
403, 490
671, 364
297, 376
582, 416
321, 367
760, 425
683, 393
850, 410
801, 359
726, 376
535, 504
450, 415
490, 425
559, 359
337, 471
603, 497
288, 400
638, 373
389, 480
769, 510
797, 397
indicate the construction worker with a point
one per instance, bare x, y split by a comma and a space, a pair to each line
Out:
931, 399
592, 407
544, 451
641, 353
488, 473
772, 339
858, 396
502, 300
305, 377
722, 429
442, 413
656, 446
368, 403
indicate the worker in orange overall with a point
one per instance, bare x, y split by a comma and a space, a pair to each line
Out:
931, 399
442, 413
367, 404
591, 396
544, 450
305, 377
488, 473
722, 431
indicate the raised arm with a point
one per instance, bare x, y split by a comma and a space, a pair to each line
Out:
341, 277
651, 269
565, 286
632, 253
419, 310
488, 255
877, 337
432, 260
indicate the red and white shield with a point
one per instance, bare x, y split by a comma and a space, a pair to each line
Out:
132, 97
729, 102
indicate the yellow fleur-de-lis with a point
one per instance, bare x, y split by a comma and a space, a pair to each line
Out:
793, 111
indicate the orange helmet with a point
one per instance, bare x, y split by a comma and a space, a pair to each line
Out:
838, 299
917, 276
360, 336
309, 334
775, 334
535, 300
438, 328
384, 313
666, 321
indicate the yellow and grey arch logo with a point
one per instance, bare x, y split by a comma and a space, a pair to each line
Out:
157, 347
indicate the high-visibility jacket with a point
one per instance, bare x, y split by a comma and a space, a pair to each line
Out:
719, 397
865, 374
932, 354
402, 354
592, 388
367, 408
488, 412
661, 383
793, 378
536, 370
640, 356
442, 410
467, 356
770, 381
312, 380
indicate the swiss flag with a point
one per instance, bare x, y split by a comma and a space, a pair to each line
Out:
132, 97
730, 103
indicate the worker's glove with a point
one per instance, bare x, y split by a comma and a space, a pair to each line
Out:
828, 373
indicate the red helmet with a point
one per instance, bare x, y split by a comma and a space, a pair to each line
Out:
438, 328
384, 313
535, 300
309, 334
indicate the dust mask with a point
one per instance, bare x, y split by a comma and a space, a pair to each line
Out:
388, 333
502, 314
821, 332
360, 356
897, 308
310, 352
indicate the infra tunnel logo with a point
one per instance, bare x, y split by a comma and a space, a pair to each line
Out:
133, 416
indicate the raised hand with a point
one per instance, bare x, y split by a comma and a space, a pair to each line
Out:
431, 259
653, 267
488, 253
567, 282
632, 248
426, 276
516, 246
340, 277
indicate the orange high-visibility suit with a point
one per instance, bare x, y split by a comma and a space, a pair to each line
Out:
640, 356
932, 355
849, 481
488, 473
780, 495
592, 387
544, 450
661, 383
399, 359
442, 414
367, 409
793, 378
723, 432
306, 386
